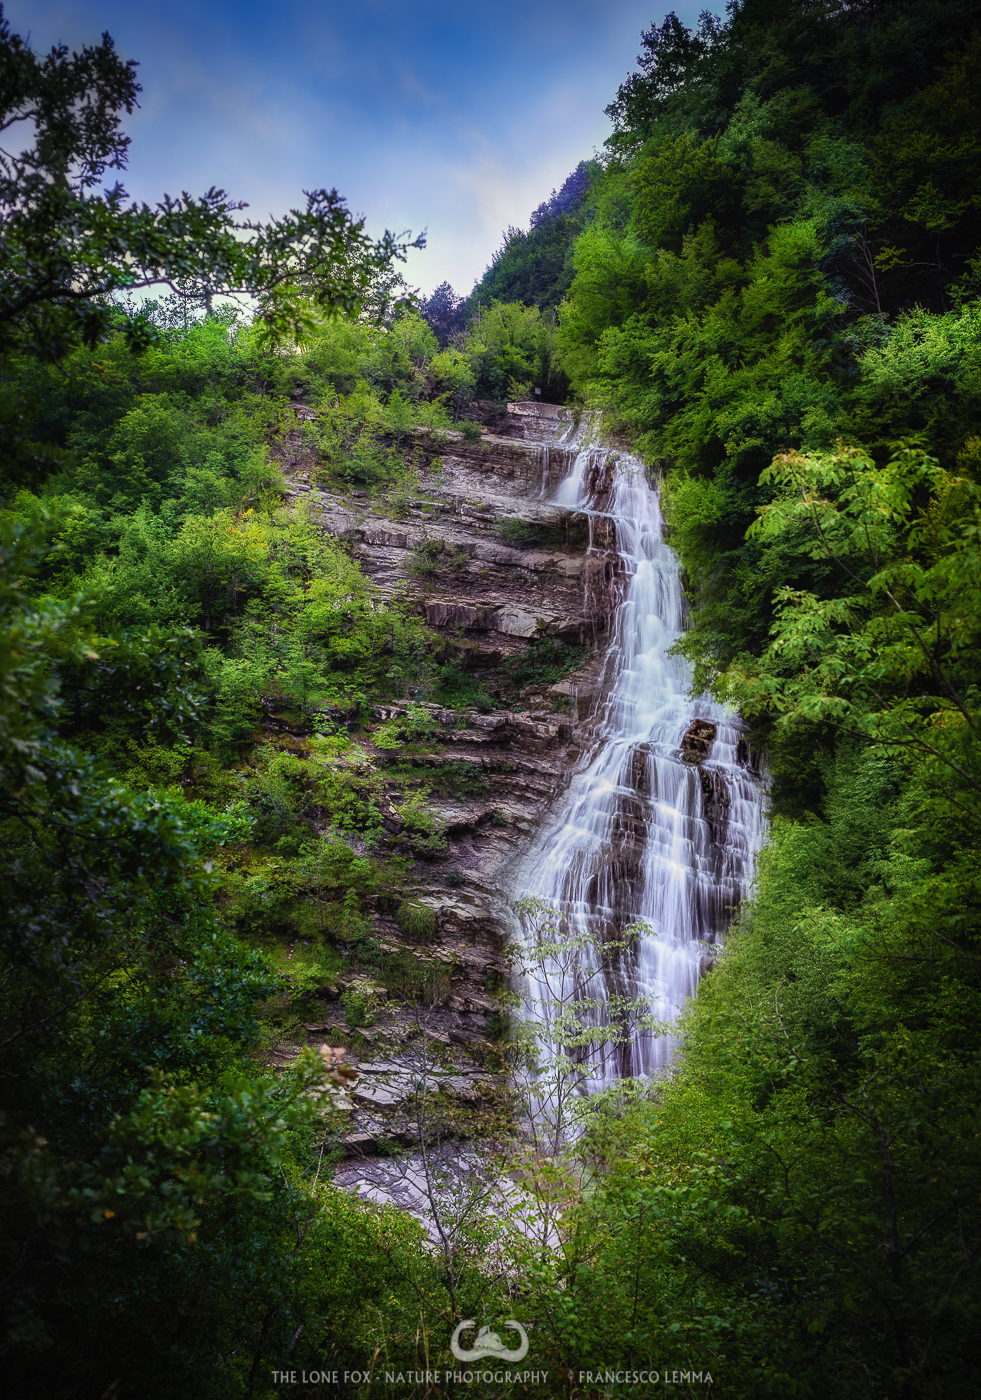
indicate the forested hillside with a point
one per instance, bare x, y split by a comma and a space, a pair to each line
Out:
194, 777
775, 299
768, 287
536, 267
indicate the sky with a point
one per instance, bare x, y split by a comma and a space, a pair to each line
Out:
448, 117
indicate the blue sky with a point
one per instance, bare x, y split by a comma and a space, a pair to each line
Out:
454, 118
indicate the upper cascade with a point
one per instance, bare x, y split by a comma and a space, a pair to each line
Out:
663, 813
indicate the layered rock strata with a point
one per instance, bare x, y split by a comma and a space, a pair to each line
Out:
445, 551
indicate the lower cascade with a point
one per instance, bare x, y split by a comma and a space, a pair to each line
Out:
663, 813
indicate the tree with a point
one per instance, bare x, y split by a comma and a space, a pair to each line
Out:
579, 1026
512, 349
139, 1148
672, 57
444, 312
65, 249
894, 655
565, 200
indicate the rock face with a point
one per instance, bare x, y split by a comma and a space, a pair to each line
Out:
485, 558
716, 800
697, 740
490, 566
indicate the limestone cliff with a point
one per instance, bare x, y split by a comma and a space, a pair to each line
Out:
490, 566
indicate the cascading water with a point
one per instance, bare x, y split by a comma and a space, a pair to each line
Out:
645, 831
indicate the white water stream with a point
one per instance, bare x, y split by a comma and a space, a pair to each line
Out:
640, 833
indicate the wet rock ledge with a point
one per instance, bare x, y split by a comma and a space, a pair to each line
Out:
490, 567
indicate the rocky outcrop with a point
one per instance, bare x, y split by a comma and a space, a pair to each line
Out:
491, 567
457, 548
696, 743
716, 800
697, 740
708, 961
450, 550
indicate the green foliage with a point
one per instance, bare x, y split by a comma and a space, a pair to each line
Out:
346, 438
426, 557
458, 778
544, 661
676, 187
471, 431
524, 534
420, 827
360, 1007
925, 168
66, 248
454, 685
534, 268
513, 348
416, 920
162, 619
135, 1133
894, 654
416, 727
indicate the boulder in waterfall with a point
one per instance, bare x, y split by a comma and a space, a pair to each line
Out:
715, 802
697, 740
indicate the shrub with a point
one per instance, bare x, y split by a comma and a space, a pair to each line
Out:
419, 827
523, 534
349, 801
545, 661
403, 973
417, 726
457, 687
416, 920
458, 778
424, 558
360, 1007
431, 555
470, 430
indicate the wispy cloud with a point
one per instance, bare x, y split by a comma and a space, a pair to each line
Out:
460, 119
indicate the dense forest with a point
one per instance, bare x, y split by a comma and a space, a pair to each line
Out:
767, 285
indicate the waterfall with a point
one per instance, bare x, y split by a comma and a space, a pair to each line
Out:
646, 830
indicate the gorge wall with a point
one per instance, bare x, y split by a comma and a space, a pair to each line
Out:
488, 599
447, 550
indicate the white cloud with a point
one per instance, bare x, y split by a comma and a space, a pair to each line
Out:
459, 120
